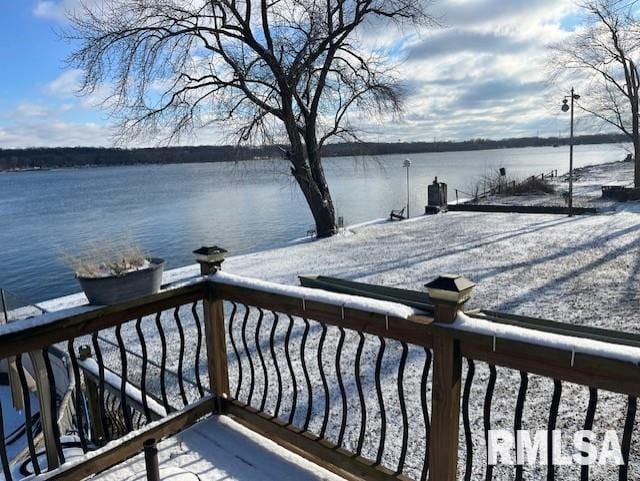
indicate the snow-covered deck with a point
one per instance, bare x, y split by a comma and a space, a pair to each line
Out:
221, 449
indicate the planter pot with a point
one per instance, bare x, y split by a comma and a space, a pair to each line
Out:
124, 287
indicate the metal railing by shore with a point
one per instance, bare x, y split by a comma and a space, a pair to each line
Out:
501, 187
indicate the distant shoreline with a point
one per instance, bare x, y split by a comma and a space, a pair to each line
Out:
43, 159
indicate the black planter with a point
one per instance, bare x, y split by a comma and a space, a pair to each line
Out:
117, 289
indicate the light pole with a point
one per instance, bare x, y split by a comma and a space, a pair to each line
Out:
407, 164
565, 108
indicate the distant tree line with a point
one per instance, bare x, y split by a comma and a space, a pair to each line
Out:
59, 157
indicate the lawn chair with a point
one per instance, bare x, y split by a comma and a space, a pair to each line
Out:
397, 214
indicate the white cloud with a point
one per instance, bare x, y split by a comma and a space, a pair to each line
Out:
28, 110
54, 10
65, 85
58, 10
54, 133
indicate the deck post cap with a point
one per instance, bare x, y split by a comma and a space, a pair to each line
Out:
210, 258
449, 292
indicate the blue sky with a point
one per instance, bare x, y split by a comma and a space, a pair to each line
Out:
482, 75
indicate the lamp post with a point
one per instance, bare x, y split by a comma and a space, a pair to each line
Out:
565, 108
407, 164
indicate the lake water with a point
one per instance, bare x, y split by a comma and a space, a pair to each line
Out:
169, 210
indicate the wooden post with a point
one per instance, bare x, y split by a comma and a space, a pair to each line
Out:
448, 294
47, 415
216, 348
93, 404
210, 260
445, 409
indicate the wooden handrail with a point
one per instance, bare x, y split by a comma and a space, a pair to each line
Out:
410, 330
581, 368
42, 331
588, 369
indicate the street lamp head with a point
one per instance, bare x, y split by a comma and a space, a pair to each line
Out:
565, 106
576, 97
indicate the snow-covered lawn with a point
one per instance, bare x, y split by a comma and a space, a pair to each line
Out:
582, 270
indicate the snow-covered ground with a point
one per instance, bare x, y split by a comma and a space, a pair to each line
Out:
581, 270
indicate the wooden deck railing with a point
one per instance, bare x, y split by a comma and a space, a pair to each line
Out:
365, 394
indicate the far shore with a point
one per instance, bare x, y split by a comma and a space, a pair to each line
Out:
39, 159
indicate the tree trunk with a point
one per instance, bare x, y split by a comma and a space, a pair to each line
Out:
636, 149
321, 206
636, 161
310, 177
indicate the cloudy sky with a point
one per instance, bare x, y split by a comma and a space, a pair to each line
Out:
482, 74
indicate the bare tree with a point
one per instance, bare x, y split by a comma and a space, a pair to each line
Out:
606, 50
290, 71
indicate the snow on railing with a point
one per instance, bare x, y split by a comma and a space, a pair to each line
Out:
571, 344
305, 294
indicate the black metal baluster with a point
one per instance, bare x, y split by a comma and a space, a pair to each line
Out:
425, 411
135, 419
28, 424
232, 318
363, 406
138, 419
305, 372
471, 369
632, 404
517, 421
383, 413
183, 394
101, 397
265, 374
126, 413
119, 428
143, 373
403, 408
553, 417
323, 377
196, 320
343, 394
77, 393
246, 350
487, 415
6, 468
274, 326
588, 426
294, 384
163, 364
54, 404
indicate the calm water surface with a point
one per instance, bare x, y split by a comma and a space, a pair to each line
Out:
169, 210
